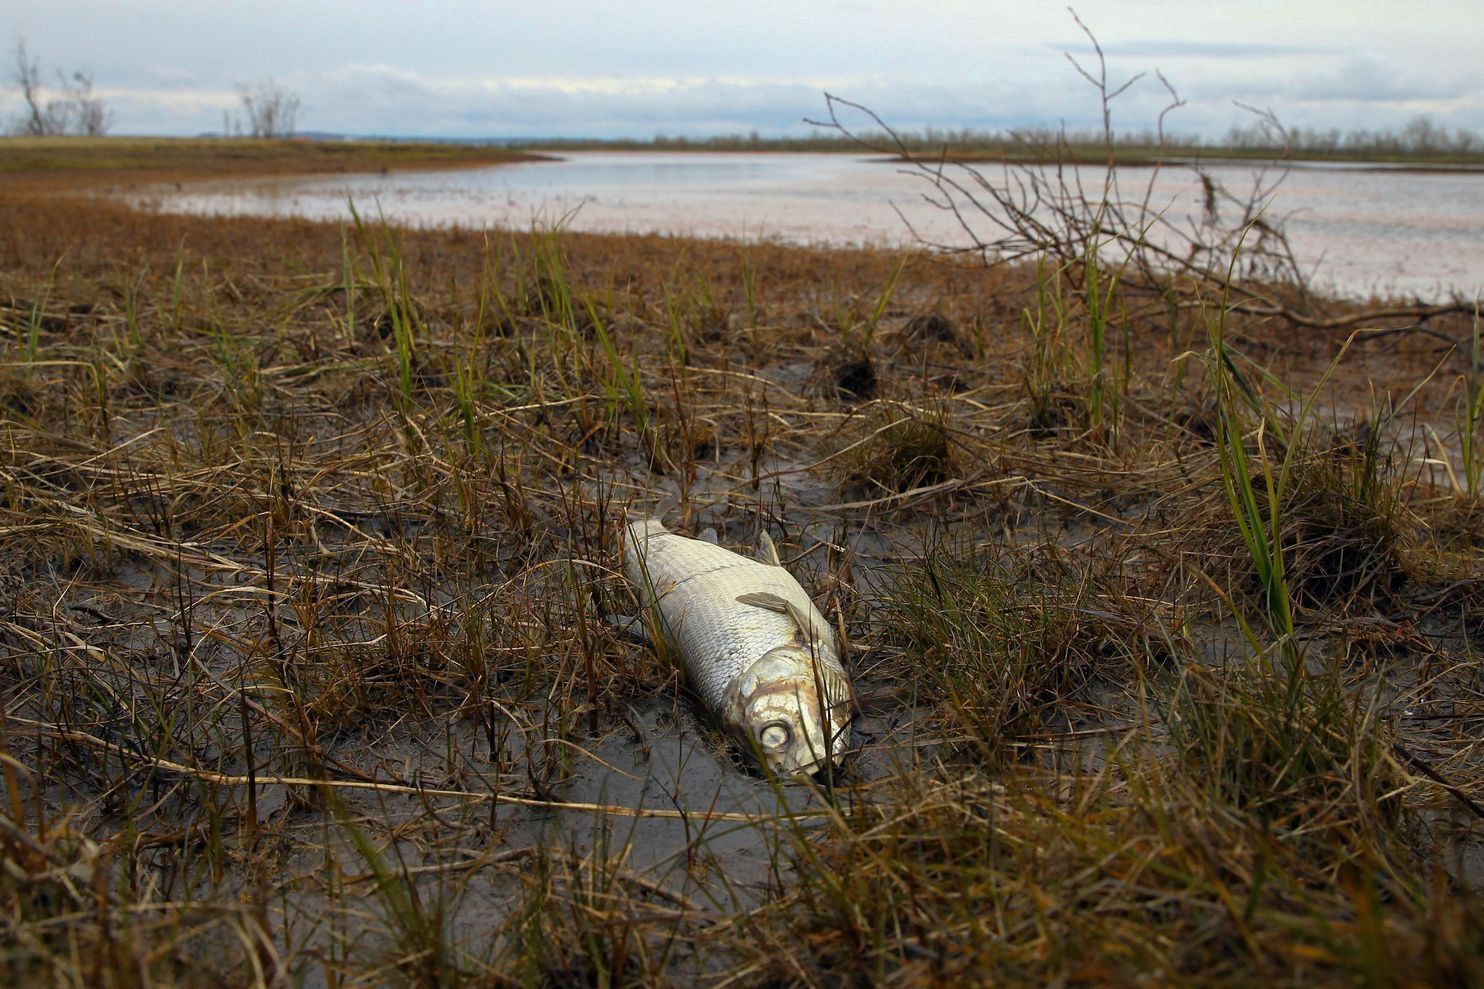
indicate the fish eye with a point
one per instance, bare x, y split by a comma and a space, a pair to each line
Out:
774, 735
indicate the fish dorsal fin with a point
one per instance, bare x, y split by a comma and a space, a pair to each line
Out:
775, 602
708, 535
667, 505
766, 551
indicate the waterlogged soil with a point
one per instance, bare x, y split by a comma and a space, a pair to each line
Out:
474, 795
653, 793
309, 537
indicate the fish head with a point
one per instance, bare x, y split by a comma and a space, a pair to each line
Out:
791, 711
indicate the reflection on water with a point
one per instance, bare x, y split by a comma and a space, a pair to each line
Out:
1358, 229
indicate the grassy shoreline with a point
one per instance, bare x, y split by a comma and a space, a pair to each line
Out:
1164, 613
60, 163
69, 161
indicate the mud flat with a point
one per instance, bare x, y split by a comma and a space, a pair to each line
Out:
1161, 605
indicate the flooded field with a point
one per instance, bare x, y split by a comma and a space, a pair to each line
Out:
1356, 229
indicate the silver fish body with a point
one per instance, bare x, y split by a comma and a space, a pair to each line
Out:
755, 648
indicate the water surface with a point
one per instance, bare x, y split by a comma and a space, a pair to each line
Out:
1357, 229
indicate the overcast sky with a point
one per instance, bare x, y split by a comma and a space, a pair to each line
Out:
698, 67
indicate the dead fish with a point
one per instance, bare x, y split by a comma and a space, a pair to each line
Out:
756, 650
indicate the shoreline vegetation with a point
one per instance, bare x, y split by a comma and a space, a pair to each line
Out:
1162, 597
141, 160
1466, 152
60, 162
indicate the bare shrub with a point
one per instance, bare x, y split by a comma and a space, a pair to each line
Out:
1053, 198
271, 110
76, 111
1049, 201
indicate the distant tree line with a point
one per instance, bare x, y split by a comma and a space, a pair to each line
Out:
1420, 138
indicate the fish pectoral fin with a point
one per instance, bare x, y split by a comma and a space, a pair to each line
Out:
764, 599
766, 551
708, 535
631, 627
806, 625
780, 604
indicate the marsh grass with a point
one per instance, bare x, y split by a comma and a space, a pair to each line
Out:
310, 531
53, 163
849, 369
1469, 413
1317, 509
1076, 369
1008, 637
894, 448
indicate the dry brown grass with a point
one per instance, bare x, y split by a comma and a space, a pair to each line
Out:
308, 535
66, 164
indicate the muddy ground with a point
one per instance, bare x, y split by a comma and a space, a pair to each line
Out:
309, 531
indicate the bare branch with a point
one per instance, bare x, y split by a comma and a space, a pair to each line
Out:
76, 111
1041, 206
271, 110
28, 77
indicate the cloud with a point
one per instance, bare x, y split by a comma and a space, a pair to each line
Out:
382, 98
1366, 78
1182, 48
171, 76
564, 67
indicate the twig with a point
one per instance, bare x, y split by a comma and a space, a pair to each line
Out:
380, 786
1419, 764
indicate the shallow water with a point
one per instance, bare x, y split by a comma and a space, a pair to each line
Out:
1357, 229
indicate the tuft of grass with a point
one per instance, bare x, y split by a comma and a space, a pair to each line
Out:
1315, 767
1320, 522
400, 313
1069, 381
848, 367
1006, 638
38, 315
583, 920
1469, 411
894, 448
422, 954
1043, 323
